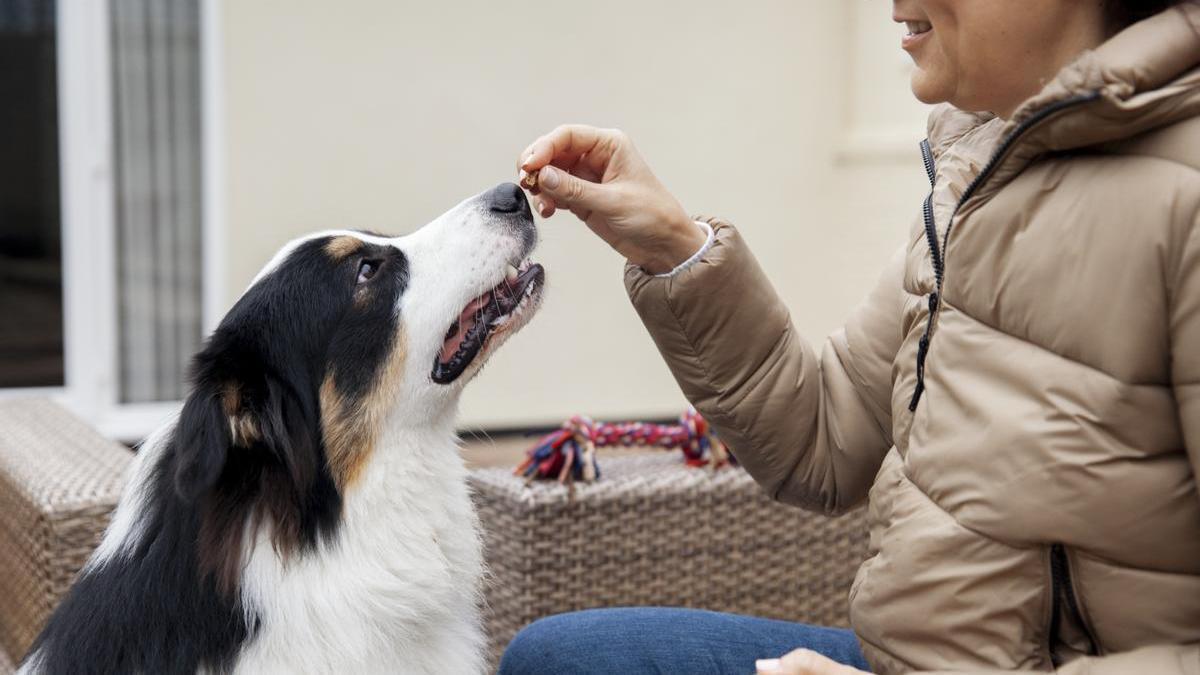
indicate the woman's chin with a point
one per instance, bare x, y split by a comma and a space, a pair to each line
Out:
928, 88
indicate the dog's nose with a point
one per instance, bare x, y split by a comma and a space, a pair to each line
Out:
506, 198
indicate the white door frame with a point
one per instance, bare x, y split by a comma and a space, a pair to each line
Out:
87, 191
88, 229
212, 138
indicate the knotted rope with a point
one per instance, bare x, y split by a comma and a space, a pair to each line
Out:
569, 454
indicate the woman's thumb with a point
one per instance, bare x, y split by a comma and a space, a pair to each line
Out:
569, 191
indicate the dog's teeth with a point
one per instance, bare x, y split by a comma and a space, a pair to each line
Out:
512, 272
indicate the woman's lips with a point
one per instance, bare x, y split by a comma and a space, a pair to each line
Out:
917, 31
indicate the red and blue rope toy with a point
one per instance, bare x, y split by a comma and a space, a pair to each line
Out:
569, 454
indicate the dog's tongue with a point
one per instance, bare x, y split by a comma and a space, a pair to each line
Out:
465, 321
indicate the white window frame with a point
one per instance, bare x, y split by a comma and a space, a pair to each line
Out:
88, 229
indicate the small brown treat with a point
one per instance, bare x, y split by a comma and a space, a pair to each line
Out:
529, 180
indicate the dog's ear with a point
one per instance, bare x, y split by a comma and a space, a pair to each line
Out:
249, 423
203, 440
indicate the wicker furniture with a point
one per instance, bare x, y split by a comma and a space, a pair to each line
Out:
655, 532
650, 532
59, 482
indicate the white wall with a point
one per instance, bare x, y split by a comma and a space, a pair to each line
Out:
789, 117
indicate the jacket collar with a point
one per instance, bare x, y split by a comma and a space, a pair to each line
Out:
1144, 77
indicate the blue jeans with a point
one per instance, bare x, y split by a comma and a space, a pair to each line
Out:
666, 640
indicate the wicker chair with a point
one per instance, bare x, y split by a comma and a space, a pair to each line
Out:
59, 482
651, 532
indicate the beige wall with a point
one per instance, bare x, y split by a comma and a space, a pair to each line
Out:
789, 117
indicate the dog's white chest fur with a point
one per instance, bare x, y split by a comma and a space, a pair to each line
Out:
397, 592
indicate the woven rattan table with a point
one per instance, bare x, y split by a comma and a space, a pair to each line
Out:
653, 531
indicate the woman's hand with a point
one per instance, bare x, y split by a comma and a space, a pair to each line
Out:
803, 662
600, 177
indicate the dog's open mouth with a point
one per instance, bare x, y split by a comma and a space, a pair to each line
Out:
494, 312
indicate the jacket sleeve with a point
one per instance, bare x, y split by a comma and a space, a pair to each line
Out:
812, 431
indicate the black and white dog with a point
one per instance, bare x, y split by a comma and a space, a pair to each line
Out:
308, 510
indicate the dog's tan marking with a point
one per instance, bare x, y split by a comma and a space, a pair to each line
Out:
340, 248
351, 428
242, 427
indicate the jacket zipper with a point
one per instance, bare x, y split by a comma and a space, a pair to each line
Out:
935, 254
938, 253
1061, 585
927, 210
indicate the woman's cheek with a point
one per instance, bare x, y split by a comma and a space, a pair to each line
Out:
933, 77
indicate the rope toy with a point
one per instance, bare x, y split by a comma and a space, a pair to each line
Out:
569, 453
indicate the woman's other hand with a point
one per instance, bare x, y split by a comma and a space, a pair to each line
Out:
599, 176
803, 662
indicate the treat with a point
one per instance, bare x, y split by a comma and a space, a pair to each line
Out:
528, 180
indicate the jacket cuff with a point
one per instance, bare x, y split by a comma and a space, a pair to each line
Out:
708, 242
692, 314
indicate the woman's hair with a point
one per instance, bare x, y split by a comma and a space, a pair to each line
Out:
1122, 13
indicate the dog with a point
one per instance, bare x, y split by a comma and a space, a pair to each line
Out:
307, 511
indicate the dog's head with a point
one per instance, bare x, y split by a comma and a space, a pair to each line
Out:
343, 334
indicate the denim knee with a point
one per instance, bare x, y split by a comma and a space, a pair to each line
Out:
537, 648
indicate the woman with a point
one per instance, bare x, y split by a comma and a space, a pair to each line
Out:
1019, 397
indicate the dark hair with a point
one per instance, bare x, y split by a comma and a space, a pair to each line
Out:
1122, 13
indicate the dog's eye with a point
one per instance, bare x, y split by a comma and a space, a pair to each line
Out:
366, 270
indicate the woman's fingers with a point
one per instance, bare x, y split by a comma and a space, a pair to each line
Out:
564, 146
568, 163
585, 172
562, 168
768, 667
572, 192
545, 206
598, 175
802, 662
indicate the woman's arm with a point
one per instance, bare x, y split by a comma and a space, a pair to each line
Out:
812, 430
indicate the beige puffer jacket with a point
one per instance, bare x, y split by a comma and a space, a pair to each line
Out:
1039, 506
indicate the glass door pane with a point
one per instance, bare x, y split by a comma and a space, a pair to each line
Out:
156, 145
31, 291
